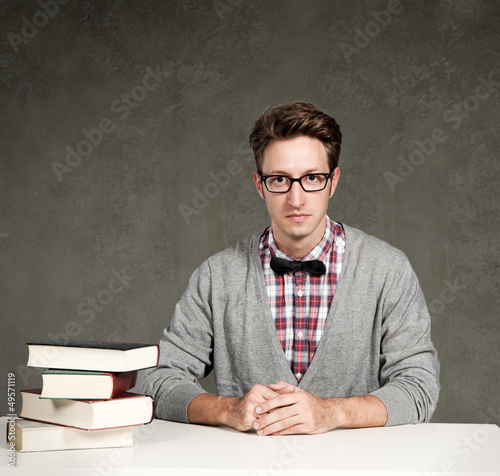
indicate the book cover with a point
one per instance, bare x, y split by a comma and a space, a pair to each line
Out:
127, 409
86, 385
92, 355
92, 344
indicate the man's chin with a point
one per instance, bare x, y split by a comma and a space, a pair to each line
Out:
299, 232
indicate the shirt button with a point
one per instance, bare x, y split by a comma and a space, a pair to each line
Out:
300, 334
299, 376
300, 292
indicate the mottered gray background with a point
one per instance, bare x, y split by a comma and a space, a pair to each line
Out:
124, 160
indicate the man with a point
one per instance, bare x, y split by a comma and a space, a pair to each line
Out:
341, 341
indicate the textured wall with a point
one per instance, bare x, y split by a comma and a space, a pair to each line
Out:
124, 164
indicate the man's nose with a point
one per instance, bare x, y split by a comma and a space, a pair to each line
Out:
296, 195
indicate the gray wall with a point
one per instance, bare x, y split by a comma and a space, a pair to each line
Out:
101, 245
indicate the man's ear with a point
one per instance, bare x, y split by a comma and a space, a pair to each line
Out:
335, 181
258, 184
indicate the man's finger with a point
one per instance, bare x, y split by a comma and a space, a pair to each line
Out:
263, 392
279, 401
280, 421
282, 387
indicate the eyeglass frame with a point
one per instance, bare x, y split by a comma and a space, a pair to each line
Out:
292, 180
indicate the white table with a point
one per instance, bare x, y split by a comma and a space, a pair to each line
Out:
169, 448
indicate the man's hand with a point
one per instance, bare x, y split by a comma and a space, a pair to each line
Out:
293, 411
243, 414
296, 411
238, 413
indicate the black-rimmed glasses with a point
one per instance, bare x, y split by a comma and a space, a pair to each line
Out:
283, 183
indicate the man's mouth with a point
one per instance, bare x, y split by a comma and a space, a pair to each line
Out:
298, 217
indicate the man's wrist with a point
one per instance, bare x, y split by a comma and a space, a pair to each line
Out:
227, 410
337, 413
357, 412
211, 409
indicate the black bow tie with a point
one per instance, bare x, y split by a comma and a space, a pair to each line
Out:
283, 266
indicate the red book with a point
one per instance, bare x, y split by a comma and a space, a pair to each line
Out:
127, 409
82, 385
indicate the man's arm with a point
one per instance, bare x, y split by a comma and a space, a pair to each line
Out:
185, 352
409, 367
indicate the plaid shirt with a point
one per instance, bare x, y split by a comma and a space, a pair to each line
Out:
300, 301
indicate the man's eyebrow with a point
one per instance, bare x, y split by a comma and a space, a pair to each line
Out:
283, 172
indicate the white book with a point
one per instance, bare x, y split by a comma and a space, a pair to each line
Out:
37, 436
92, 355
126, 409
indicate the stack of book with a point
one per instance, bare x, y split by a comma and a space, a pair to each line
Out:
84, 401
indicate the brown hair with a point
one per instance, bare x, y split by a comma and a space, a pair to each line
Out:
288, 121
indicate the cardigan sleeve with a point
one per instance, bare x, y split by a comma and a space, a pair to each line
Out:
186, 350
409, 367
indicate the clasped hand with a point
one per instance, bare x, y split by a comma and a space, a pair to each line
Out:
283, 409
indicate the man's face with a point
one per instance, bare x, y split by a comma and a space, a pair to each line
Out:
298, 217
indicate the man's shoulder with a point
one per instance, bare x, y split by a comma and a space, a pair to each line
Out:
240, 252
360, 243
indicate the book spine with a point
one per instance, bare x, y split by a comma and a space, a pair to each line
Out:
123, 382
152, 410
158, 359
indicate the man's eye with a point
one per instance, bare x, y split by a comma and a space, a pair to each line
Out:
312, 178
280, 180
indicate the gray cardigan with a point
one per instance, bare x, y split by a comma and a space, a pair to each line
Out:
376, 338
